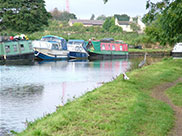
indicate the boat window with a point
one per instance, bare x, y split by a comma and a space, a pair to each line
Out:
77, 48
113, 47
121, 48
109, 47
7, 48
22, 47
50, 39
77, 43
70, 42
55, 47
30, 46
56, 39
15, 48
103, 47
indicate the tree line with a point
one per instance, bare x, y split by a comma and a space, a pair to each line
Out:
163, 20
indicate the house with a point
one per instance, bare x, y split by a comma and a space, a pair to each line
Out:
126, 25
86, 22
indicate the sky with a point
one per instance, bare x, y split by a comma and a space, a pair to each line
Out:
84, 9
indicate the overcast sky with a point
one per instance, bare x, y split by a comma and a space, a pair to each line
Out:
85, 8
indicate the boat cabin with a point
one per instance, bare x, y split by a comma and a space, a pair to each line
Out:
15, 49
76, 45
47, 45
107, 45
52, 38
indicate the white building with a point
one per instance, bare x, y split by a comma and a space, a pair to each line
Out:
126, 24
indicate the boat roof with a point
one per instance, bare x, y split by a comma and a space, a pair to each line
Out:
75, 40
52, 36
107, 40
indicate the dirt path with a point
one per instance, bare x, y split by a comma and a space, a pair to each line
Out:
159, 93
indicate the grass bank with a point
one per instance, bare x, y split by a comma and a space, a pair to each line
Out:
175, 94
118, 108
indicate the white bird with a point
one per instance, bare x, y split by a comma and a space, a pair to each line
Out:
125, 77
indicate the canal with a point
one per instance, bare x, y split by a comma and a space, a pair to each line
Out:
28, 92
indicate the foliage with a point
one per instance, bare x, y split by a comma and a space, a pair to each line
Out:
83, 33
134, 27
78, 27
122, 17
105, 1
101, 17
62, 16
92, 17
169, 15
115, 28
109, 25
23, 16
119, 107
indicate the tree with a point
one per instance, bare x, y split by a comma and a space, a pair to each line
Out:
92, 17
78, 27
109, 25
101, 17
115, 29
105, 1
134, 27
169, 15
56, 14
23, 16
62, 16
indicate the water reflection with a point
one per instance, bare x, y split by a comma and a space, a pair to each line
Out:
14, 102
29, 92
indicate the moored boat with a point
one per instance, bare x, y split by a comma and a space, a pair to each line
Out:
177, 50
106, 49
51, 48
77, 49
15, 50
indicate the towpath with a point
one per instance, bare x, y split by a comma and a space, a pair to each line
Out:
158, 92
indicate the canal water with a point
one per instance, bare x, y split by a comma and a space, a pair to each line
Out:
28, 92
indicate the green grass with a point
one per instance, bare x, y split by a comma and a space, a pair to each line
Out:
118, 108
175, 94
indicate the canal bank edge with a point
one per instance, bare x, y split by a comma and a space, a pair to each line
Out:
117, 108
152, 53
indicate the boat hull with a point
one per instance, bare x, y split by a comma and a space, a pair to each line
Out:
78, 55
27, 58
50, 56
93, 55
177, 54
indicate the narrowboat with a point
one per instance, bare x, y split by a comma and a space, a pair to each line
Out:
77, 49
177, 50
15, 50
106, 49
51, 48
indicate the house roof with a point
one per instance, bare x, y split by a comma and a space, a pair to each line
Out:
87, 22
124, 23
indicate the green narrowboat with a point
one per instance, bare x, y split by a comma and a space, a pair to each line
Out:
107, 49
12, 50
